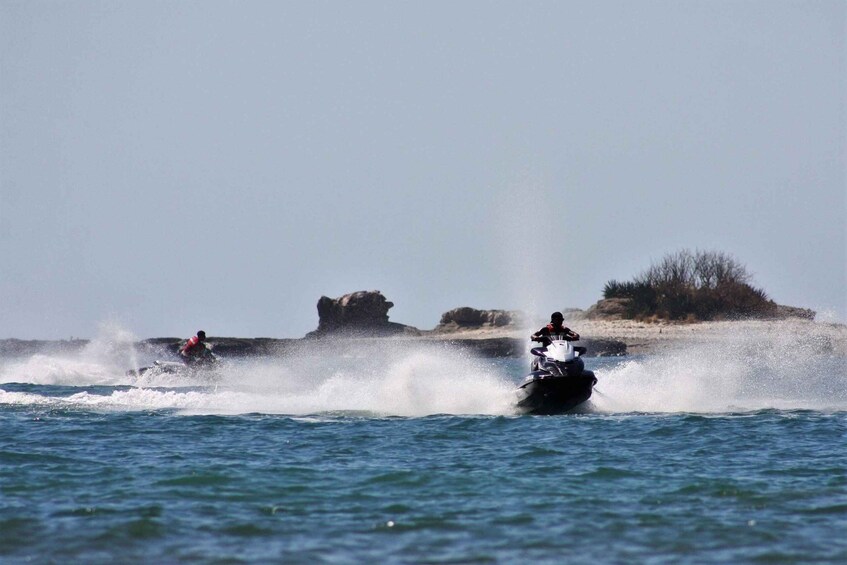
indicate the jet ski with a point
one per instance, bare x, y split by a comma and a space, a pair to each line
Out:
558, 382
206, 362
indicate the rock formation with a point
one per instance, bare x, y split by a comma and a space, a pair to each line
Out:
466, 318
617, 309
358, 314
609, 309
783, 312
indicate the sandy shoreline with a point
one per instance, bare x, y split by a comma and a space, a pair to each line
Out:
642, 337
603, 337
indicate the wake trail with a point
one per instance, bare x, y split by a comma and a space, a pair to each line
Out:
745, 371
374, 379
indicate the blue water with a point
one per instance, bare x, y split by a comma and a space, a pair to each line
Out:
417, 457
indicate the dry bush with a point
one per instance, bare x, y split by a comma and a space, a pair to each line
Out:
699, 285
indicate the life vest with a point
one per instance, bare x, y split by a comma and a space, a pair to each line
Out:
191, 344
557, 334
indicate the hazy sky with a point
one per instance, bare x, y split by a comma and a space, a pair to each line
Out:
172, 166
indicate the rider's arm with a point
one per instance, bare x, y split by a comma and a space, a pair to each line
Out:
537, 336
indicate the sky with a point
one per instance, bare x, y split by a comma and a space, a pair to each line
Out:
169, 166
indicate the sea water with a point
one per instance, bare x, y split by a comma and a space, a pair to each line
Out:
417, 456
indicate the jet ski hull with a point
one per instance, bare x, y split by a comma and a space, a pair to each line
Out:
545, 395
173, 368
205, 363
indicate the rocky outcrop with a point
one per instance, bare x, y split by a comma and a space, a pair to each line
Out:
783, 312
574, 314
609, 309
511, 347
225, 346
27, 347
616, 309
358, 314
466, 318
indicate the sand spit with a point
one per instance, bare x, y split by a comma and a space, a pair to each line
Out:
652, 337
601, 336
647, 337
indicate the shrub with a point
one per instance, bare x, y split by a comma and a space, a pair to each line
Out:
704, 285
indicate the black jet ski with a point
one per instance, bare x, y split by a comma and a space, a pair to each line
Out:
206, 362
558, 382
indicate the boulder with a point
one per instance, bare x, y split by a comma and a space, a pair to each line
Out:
609, 309
466, 318
783, 312
358, 314
573, 314
511, 347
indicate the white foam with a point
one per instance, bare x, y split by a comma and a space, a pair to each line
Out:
744, 371
381, 381
103, 360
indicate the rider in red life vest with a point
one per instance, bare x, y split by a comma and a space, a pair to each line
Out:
554, 330
194, 348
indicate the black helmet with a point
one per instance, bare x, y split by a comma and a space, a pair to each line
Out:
201, 334
557, 316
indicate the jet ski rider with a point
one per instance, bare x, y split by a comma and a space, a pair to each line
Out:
194, 351
555, 330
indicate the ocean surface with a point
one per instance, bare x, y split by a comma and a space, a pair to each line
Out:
699, 454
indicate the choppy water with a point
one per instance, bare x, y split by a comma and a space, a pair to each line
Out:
416, 456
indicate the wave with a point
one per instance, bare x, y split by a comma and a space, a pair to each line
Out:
742, 371
375, 379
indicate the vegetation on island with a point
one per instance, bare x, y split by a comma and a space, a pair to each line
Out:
693, 286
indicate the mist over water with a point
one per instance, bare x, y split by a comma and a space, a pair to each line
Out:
738, 372
380, 379
101, 362
741, 372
